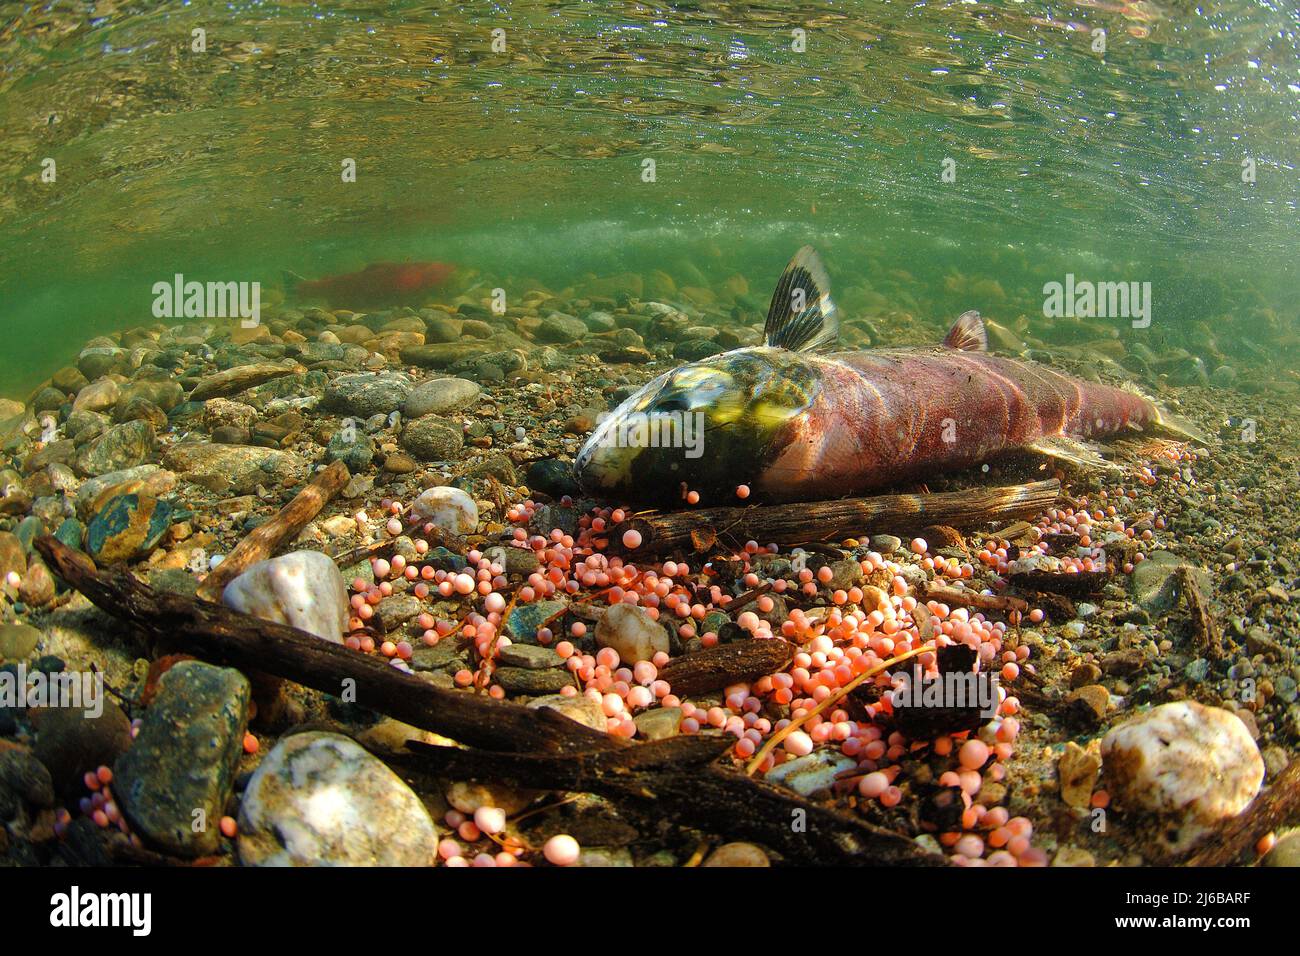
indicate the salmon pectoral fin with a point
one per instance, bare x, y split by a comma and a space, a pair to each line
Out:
1073, 452
968, 333
1177, 427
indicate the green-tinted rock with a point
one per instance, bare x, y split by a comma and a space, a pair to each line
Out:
127, 527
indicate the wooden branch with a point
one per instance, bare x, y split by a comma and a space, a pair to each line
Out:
264, 540
717, 667
218, 633
673, 779
710, 798
835, 520
963, 597
1269, 811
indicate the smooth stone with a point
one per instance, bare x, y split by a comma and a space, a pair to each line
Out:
659, 723
632, 633
232, 469
127, 527
320, 799
18, 641
159, 482
303, 589
70, 743
184, 758
1194, 763
560, 329
812, 773
368, 393
97, 396
737, 854
468, 797
579, 707
24, 782
432, 439
448, 509
1286, 852
440, 396
439, 355
121, 446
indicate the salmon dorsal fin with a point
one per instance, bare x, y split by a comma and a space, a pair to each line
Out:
967, 333
802, 316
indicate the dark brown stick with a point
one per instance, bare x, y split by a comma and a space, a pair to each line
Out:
711, 797
717, 667
264, 540
983, 602
220, 634
835, 520
1269, 811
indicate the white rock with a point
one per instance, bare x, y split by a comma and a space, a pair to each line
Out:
447, 508
303, 589
319, 799
1198, 764
632, 632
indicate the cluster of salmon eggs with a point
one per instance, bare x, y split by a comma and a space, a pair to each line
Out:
859, 628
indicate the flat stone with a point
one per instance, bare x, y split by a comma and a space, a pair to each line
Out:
811, 774
319, 799
522, 680
440, 396
368, 393
184, 758
579, 707
121, 446
659, 723
239, 378
529, 656
1154, 582
18, 641
232, 469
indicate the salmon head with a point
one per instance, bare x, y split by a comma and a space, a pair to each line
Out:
704, 422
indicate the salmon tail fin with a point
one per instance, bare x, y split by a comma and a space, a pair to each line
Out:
968, 333
1167, 423
802, 316
291, 280
1073, 452
1177, 427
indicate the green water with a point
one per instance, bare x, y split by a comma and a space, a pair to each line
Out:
527, 165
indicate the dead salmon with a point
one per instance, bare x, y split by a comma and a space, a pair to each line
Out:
378, 284
797, 421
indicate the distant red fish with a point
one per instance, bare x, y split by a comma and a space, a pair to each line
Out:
378, 284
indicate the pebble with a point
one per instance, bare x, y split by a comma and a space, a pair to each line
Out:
813, 773
18, 641
303, 589
737, 854
121, 446
440, 396
319, 799
69, 743
368, 393
432, 439
1194, 763
447, 508
632, 633
184, 758
1154, 582
469, 797
579, 707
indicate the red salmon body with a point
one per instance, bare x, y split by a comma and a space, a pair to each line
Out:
378, 284
891, 415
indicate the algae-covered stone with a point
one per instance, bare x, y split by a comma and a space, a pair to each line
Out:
174, 782
127, 527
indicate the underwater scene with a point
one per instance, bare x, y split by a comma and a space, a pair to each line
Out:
640, 434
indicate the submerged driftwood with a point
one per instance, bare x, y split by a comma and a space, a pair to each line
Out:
833, 520
538, 748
